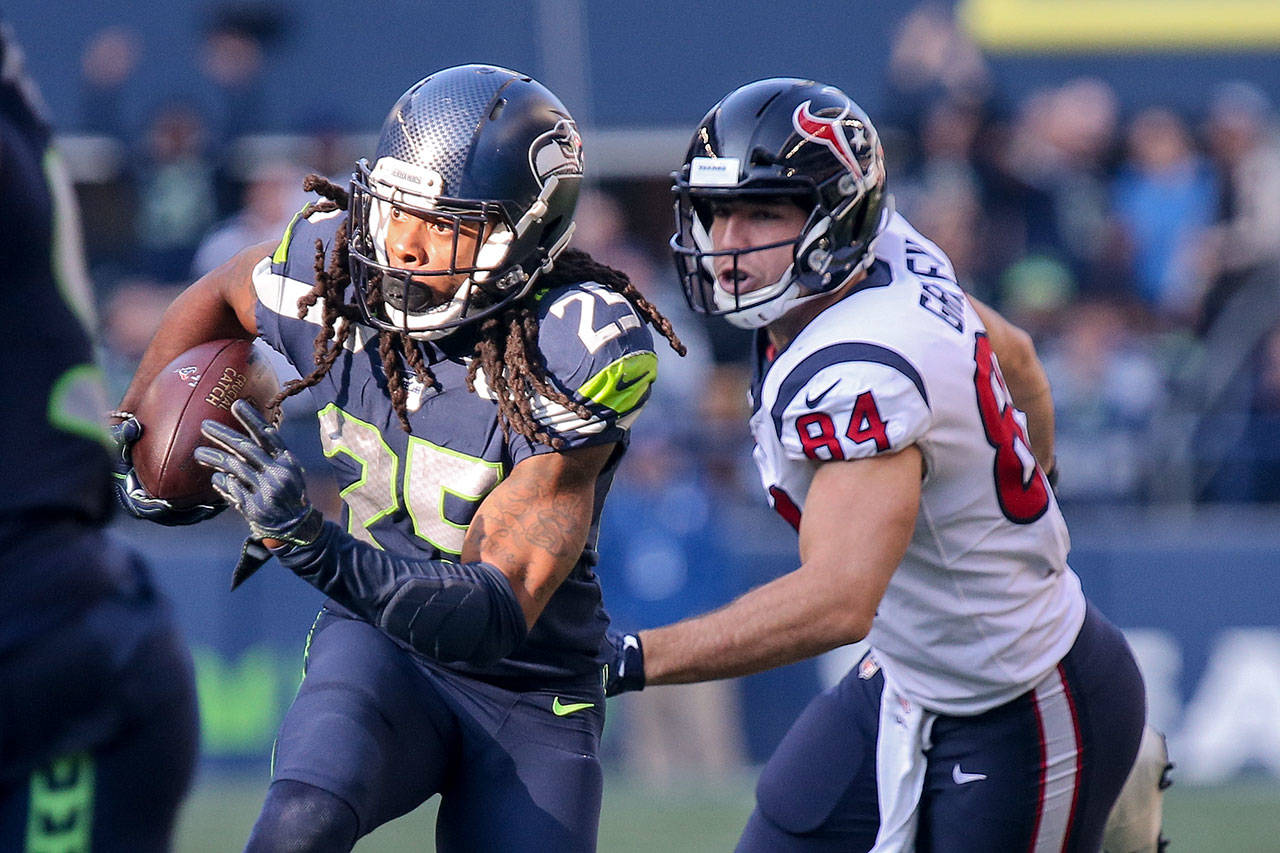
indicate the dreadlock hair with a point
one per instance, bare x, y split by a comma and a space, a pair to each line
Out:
506, 347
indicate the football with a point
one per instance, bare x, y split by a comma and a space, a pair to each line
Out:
200, 384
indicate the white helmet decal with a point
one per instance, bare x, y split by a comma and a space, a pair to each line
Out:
557, 152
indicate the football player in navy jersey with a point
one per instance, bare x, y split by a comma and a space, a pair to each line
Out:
476, 382
996, 709
97, 708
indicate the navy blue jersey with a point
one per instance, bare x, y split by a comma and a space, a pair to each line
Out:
52, 396
416, 493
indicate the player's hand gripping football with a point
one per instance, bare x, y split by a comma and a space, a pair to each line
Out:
625, 671
258, 476
135, 499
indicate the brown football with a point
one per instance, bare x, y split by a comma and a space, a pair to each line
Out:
200, 384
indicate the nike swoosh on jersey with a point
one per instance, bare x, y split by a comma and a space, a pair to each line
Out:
961, 778
813, 401
623, 383
561, 710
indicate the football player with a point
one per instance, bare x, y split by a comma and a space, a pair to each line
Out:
476, 381
996, 709
97, 709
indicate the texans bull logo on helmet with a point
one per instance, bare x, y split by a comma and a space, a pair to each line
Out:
557, 152
830, 132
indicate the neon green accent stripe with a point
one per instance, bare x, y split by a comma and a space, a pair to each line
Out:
282, 251
306, 658
70, 270
306, 650
60, 808
76, 403
622, 384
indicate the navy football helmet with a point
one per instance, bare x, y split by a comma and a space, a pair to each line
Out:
491, 150
790, 138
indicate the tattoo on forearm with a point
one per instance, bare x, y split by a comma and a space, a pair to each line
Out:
531, 511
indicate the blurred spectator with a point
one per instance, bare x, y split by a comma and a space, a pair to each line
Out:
1259, 478
1106, 384
1242, 137
130, 316
1036, 294
176, 196
233, 59
1164, 197
601, 230
270, 199
944, 202
931, 57
1063, 146
107, 64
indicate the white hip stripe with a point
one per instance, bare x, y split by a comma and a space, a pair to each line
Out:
1060, 756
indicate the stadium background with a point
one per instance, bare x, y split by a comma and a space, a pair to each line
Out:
1106, 173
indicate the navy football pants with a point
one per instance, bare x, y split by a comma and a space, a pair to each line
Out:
383, 730
1037, 774
97, 699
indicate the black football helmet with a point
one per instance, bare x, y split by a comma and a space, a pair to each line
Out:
791, 138
480, 145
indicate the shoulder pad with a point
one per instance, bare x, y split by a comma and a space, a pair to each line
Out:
850, 400
597, 350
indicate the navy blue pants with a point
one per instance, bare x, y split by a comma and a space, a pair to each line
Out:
1039, 773
384, 730
98, 724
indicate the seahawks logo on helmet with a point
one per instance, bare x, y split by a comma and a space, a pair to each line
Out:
557, 152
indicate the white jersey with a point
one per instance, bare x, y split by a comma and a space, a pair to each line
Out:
983, 605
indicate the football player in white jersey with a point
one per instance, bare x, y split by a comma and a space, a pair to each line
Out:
997, 709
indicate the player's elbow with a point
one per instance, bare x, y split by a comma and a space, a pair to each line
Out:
1019, 357
844, 625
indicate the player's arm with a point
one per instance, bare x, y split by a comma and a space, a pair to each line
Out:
534, 525
533, 529
858, 520
218, 305
1025, 377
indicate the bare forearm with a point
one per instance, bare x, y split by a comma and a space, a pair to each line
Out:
534, 525
219, 305
779, 623
193, 318
1032, 395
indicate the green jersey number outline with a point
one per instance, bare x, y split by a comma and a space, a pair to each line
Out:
431, 474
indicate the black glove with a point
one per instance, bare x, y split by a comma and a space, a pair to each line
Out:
129, 490
258, 476
1051, 474
625, 670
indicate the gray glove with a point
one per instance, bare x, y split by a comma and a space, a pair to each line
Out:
258, 476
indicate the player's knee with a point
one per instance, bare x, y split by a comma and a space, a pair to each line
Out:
301, 818
1134, 823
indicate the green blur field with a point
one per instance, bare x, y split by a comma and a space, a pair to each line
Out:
1239, 818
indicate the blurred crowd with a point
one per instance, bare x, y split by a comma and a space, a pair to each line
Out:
1139, 247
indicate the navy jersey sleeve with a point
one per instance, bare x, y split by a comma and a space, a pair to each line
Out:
283, 278
599, 352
